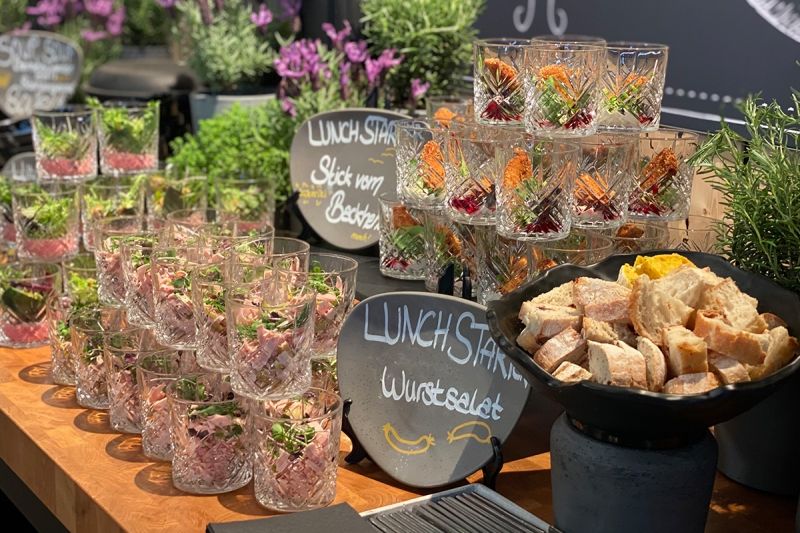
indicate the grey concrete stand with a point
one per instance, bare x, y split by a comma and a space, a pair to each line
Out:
605, 488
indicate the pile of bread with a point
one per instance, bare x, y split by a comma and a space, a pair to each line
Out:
686, 332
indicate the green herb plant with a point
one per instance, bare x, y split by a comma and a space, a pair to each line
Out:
758, 176
44, 216
20, 298
67, 144
293, 438
125, 132
99, 205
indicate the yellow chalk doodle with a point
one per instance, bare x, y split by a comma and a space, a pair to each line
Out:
452, 437
407, 446
375, 161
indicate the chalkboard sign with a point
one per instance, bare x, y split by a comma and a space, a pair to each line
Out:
341, 162
21, 167
720, 50
429, 386
38, 70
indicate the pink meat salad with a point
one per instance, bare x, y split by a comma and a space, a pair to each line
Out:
111, 287
156, 440
212, 335
123, 393
173, 307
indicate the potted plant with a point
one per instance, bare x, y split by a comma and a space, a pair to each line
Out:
231, 45
128, 136
65, 143
24, 289
758, 176
46, 221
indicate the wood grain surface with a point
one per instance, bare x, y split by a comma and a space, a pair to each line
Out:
95, 480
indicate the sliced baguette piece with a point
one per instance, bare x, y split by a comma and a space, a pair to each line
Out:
737, 308
545, 321
598, 331
568, 345
691, 383
687, 283
686, 352
625, 333
652, 310
745, 347
528, 342
571, 373
612, 365
602, 300
561, 295
655, 363
727, 369
773, 321
782, 348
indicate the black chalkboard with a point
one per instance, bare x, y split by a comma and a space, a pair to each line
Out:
38, 70
720, 50
341, 163
429, 386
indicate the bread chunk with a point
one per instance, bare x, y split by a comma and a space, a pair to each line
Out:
727, 369
598, 331
528, 342
613, 365
602, 300
692, 383
545, 321
571, 373
745, 347
773, 321
652, 310
737, 308
561, 295
568, 345
625, 333
655, 363
686, 352
687, 283
782, 349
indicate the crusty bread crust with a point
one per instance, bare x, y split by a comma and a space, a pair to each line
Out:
571, 373
686, 352
561, 295
737, 308
613, 365
655, 363
692, 383
652, 310
727, 369
601, 299
782, 349
745, 347
568, 345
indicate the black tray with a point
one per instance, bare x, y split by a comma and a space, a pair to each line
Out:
636, 417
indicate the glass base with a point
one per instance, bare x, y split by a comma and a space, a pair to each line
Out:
399, 274
91, 403
234, 484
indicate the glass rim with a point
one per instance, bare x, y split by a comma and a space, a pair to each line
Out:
670, 134
50, 270
568, 38
69, 110
172, 216
127, 104
420, 124
109, 182
636, 46
306, 247
576, 47
338, 406
622, 138
54, 188
608, 243
502, 42
352, 268
657, 228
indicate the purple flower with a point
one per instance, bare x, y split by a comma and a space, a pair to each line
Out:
92, 35
167, 4
99, 8
290, 8
115, 22
288, 107
48, 12
262, 18
356, 51
337, 38
376, 67
301, 60
418, 89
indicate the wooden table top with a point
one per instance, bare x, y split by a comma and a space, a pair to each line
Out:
95, 480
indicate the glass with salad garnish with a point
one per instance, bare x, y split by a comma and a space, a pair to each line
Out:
110, 234
504, 264
65, 144
498, 85
128, 133
633, 86
24, 290
443, 110
183, 227
420, 162
167, 192
136, 252
296, 447
271, 331
155, 372
578, 248
111, 197
604, 180
210, 435
174, 313
534, 190
208, 302
562, 86
88, 329
47, 220
663, 182
247, 201
402, 240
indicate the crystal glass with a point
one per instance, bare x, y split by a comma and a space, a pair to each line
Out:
498, 86
167, 192
638, 237
270, 338
223, 240
136, 252
578, 248
324, 375
24, 290
449, 108
122, 350
503, 264
695, 233
534, 191
210, 436
8, 234
475, 158
289, 254
110, 234
111, 197
296, 449
255, 259
604, 180
420, 163
183, 227
663, 186
87, 330
47, 220
208, 302
562, 87
155, 373
402, 240
569, 38
633, 86
443, 253
128, 134
174, 314
250, 202
333, 278
65, 144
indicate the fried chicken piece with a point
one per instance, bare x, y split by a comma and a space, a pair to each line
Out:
561, 74
519, 273
451, 242
505, 74
630, 231
433, 169
518, 169
545, 264
590, 189
401, 218
444, 116
663, 165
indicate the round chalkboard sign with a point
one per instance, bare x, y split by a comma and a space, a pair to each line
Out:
38, 70
341, 162
429, 386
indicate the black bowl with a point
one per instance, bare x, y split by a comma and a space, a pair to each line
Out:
632, 416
